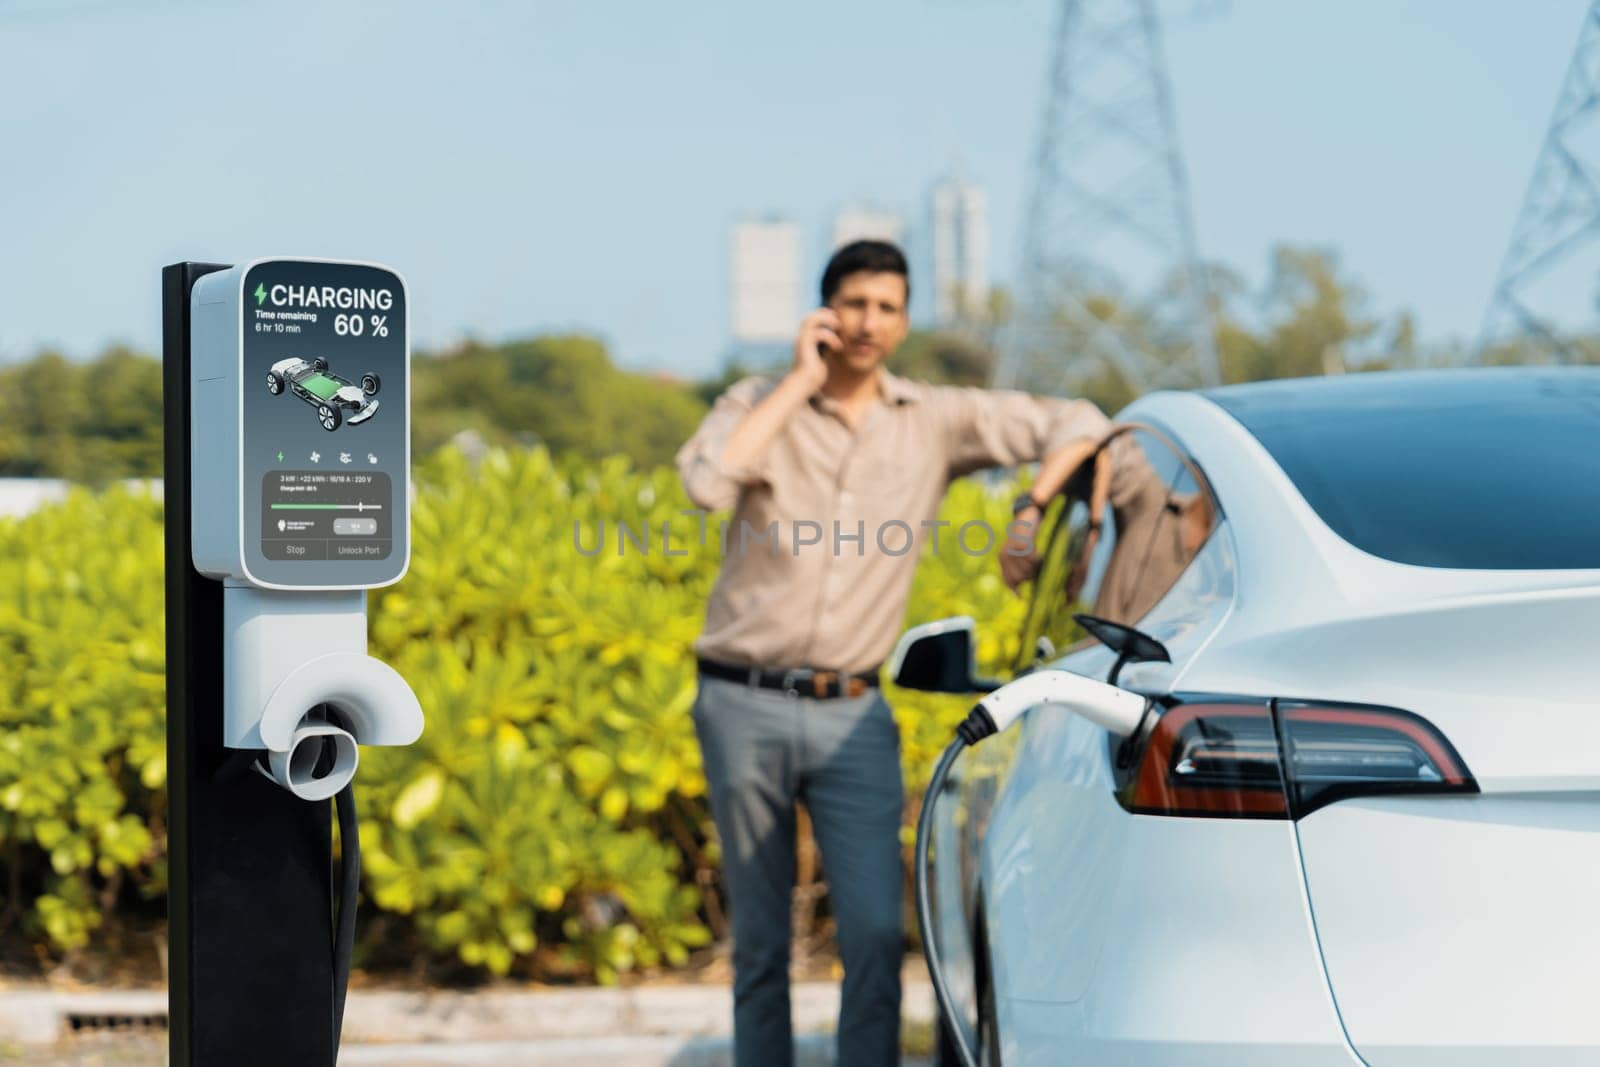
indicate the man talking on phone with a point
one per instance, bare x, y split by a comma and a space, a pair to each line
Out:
835, 471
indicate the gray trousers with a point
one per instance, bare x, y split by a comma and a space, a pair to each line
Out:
764, 751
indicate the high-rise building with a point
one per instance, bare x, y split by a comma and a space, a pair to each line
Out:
765, 282
863, 222
960, 252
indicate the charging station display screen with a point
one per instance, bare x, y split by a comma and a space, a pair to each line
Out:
325, 435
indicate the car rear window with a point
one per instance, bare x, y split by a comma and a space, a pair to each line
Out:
1487, 470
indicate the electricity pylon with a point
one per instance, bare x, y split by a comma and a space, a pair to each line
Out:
1110, 279
1552, 257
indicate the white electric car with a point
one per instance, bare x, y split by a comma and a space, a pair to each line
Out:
1365, 827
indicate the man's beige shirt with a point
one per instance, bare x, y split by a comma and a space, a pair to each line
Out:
866, 500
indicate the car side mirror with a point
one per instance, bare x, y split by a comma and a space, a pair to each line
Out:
939, 657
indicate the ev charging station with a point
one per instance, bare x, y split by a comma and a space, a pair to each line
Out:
287, 437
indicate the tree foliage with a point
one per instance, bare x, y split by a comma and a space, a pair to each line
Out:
561, 391
89, 422
944, 358
98, 421
1308, 320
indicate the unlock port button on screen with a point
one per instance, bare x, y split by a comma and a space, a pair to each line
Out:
355, 527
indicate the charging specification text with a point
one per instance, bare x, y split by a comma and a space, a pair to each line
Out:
331, 515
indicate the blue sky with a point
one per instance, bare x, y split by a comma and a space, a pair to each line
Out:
535, 166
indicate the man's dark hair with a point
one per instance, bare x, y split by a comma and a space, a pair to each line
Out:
875, 257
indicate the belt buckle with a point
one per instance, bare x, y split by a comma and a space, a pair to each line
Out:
791, 687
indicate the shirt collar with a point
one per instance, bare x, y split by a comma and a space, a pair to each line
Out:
895, 390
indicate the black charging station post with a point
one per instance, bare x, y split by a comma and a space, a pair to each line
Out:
250, 885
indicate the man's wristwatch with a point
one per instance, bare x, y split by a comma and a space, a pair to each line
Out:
1025, 501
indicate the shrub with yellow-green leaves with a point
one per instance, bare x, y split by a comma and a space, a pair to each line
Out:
558, 774
551, 820
83, 754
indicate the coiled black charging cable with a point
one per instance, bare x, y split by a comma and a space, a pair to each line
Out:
973, 729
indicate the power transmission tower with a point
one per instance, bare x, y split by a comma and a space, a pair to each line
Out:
1110, 282
1552, 261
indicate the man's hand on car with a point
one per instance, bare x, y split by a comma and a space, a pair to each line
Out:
1019, 559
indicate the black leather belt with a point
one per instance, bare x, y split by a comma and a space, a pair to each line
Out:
794, 681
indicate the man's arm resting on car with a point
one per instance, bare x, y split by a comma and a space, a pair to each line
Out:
988, 428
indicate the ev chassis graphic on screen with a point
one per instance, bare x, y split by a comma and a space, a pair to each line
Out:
300, 467
335, 399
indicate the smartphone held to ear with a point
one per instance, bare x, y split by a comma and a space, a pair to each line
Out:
827, 335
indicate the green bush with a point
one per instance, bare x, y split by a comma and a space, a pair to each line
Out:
93, 421
82, 712
552, 818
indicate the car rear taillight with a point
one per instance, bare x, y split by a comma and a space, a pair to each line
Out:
1217, 760
1333, 751
1276, 760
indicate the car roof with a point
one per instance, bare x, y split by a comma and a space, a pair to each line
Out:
1287, 557
1464, 388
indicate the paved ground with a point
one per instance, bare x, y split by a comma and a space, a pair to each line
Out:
109, 1052
815, 1051
641, 1026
